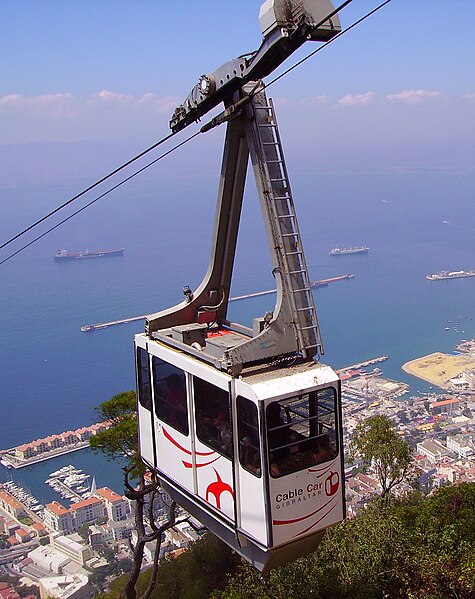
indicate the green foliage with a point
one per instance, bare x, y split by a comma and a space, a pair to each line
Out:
416, 548
376, 443
121, 439
202, 569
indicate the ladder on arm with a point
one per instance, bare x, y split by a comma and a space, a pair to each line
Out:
285, 230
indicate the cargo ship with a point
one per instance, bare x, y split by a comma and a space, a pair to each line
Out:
87, 254
363, 249
443, 275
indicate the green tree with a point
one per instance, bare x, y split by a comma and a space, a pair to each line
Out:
416, 547
120, 442
378, 446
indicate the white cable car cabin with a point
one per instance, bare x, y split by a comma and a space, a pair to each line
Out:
243, 426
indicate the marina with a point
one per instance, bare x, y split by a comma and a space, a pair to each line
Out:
23, 496
70, 483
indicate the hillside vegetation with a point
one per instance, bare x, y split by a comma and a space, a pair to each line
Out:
416, 548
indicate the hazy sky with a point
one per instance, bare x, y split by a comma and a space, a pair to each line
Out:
397, 92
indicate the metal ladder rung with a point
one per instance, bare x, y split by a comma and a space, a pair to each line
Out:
306, 309
270, 143
290, 234
287, 197
286, 216
312, 344
298, 252
275, 161
301, 290
279, 179
296, 272
268, 125
263, 107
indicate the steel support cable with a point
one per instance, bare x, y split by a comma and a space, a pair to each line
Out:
114, 172
100, 196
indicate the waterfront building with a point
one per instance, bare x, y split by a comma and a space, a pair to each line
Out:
23, 452
11, 505
69, 586
73, 547
87, 511
58, 518
116, 506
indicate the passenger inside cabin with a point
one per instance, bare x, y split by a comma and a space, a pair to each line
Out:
324, 450
279, 433
250, 456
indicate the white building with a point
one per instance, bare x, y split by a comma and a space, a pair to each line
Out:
73, 547
70, 586
116, 506
432, 450
462, 445
48, 559
58, 518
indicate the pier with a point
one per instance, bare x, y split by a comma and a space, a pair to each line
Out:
315, 284
370, 362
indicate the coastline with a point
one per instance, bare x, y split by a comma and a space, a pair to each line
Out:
10, 461
438, 368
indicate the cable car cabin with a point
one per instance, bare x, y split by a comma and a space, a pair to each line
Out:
257, 458
242, 425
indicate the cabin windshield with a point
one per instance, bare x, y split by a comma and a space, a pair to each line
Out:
301, 431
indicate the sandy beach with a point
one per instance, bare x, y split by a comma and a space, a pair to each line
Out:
438, 368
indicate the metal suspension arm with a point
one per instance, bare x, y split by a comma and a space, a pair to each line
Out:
285, 25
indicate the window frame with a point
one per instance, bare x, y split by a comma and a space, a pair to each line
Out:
165, 410
244, 431
301, 451
220, 448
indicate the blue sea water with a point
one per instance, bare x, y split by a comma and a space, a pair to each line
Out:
52, 375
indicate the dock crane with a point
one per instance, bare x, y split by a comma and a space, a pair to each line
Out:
243, 425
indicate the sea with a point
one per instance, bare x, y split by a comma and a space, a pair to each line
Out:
52, 375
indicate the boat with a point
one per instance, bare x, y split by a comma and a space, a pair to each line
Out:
444, 275
63, 255
362, 249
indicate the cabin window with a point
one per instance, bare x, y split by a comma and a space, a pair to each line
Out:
213, 417
143, 380
301, 431
169, 388
248, 431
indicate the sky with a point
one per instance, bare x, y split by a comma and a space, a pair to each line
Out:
87, 83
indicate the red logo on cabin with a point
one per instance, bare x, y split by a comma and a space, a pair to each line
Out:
217, 488
332, 482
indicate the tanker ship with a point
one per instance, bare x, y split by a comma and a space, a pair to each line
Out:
65, 255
